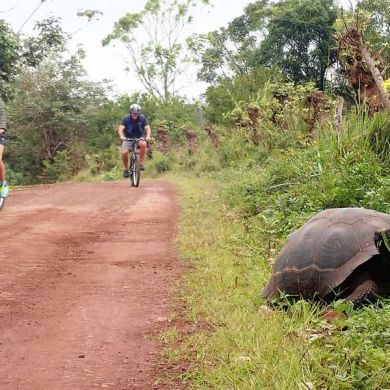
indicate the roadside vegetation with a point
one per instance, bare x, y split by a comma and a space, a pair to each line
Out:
234, 223
295, 119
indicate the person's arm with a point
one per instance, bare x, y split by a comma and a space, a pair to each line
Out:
121, 132
148, 132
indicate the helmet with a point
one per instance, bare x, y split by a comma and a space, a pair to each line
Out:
135, 108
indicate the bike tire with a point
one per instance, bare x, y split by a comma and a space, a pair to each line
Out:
135, 175
2, 201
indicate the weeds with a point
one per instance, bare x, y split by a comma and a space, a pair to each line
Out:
236, 217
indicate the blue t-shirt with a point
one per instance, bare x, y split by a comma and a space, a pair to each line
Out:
135, 128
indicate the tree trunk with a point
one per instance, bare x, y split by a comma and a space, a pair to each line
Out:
376, 75
210, 130
364, 70
163, 139
192, 142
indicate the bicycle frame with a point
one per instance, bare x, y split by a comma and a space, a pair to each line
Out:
135, 173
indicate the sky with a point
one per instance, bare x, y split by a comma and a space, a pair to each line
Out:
106, 62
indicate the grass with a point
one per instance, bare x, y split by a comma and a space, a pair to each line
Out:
239, 343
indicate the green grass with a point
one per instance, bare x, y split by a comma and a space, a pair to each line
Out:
239, 344
233, 224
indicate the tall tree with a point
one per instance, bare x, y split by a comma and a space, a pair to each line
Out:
364, 68
230, 51
377, 26
294, 36
52, 104
155, 43
8, 57
300, 40
51, 38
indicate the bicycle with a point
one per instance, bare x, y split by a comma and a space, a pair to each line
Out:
135, 172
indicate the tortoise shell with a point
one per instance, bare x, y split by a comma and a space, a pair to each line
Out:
321, 254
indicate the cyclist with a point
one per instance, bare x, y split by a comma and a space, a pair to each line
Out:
134, 126
3, 127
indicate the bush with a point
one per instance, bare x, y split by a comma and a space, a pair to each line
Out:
161, 162
291, 185
104, 160
66, 164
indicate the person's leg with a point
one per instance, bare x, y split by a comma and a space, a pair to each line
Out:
3, 185
126, 146
125, 158
142, 151
2, 167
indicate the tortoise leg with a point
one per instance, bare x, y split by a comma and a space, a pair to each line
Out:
365, 290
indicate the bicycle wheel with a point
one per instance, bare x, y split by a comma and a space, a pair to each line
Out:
135, 175
2, 201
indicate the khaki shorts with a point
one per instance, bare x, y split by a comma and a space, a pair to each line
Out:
127, 145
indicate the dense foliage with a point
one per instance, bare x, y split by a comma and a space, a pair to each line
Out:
8, 54
295, 37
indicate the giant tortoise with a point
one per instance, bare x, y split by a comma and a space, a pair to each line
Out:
340, 252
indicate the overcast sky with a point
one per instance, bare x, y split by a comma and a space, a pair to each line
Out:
105, 62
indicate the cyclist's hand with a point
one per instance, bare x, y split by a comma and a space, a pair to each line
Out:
123, 138
147, 139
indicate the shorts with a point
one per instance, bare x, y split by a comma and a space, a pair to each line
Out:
127, 145
3, 139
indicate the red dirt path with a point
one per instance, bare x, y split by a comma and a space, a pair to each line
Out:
85, 273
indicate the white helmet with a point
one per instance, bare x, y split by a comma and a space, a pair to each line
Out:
135, 108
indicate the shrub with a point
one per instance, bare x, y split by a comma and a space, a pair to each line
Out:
66, 164
161, 162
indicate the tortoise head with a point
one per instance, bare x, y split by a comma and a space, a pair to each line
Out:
382, 241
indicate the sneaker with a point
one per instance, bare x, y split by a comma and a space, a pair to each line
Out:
142, 166
4, 190
126, 173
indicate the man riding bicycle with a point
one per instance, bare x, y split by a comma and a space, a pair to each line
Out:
134, 126
3, 127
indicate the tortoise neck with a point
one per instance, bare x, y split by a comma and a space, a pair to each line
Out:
382, 241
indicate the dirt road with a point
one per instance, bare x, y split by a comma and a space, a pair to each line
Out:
85, 273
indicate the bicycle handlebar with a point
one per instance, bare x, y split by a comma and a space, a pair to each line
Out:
135, 139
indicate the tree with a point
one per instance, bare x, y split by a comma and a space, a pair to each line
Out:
230, 51
364, 68
161, 60
377, 28
51, 38
223, 98
9, 47
52, 108
300, 40
294, 36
